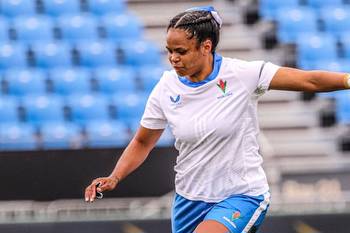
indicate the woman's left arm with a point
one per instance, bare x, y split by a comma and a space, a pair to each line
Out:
291, 79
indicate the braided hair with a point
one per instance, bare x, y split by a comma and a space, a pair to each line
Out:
199, 24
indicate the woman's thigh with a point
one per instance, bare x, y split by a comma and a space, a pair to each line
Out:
211, 226
238, 214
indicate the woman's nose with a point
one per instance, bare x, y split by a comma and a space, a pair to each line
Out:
174, 58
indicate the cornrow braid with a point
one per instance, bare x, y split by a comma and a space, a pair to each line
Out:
188, 18
199, 24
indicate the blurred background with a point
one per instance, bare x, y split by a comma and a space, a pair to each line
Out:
75, 75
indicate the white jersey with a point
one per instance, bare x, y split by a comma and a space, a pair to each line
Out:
215, 126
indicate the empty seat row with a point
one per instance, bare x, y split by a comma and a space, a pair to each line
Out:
294, 21
98, 134
314, 48
89, 54
12, 8
71, 27
80, 109
269, 8
66, 81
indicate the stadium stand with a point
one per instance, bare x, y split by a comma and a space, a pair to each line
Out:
73, 48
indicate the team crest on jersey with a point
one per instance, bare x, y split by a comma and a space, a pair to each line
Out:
222, 85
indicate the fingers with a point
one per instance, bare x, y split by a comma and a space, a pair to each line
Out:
90, 191
104, 186
99, 185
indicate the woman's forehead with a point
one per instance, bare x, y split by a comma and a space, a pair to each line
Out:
179, 37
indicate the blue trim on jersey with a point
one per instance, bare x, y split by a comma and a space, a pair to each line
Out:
212, 76
235, 212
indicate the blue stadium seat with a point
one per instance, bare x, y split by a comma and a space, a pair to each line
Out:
61, 135
130, 106
52, 54
295, 21
114, 80
343, 107
33, 28
315, 47
268, 8
336, 19
322, 3
121, 27
75, 28
67, 81
61, 7
103, 134
21, 82
8, 109
102, 7
135, 52
17, 137
12, 55
4, 30
85, 108
149, 77
345, 41
13, 8
94, 54
43, 108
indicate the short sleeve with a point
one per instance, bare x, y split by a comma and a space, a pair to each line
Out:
153, 117
256, 75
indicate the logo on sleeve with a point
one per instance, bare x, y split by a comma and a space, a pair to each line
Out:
260, 90
222, 85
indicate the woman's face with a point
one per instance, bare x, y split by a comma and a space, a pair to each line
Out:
185, 55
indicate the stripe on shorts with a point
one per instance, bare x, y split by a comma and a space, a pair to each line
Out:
263, 205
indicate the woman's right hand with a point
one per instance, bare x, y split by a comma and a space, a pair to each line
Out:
105, 184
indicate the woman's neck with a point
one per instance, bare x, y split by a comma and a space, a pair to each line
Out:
205, 72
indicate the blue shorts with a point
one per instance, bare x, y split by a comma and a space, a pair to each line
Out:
239, 213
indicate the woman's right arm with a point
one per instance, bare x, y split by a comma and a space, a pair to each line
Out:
133, 156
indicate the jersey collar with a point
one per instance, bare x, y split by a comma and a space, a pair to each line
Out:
211, 76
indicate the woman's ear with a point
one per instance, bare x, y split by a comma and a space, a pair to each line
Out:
207, 47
